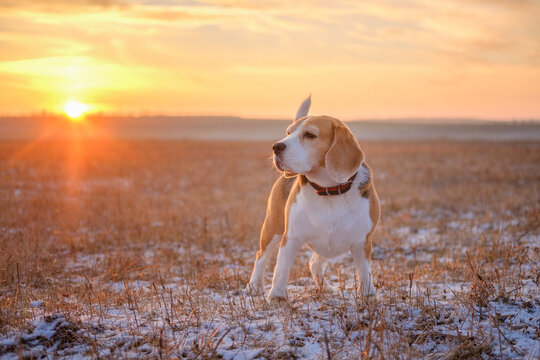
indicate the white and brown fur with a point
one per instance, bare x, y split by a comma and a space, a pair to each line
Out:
323, 150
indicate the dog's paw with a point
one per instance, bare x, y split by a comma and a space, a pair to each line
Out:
277, 296
368, 291
254, 290
326, 288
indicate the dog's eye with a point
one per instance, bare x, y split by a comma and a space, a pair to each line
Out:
310, 135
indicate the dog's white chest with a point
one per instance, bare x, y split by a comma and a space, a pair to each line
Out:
330, 225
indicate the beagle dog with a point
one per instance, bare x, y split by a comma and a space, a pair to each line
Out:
325, 198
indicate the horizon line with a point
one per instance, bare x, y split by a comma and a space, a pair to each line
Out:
142, 114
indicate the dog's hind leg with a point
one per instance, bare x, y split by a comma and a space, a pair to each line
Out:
256, 284
271, 233
316, 267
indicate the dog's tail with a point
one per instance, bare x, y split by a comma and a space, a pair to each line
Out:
304, 108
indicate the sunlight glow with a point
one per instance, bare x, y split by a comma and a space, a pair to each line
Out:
389, 59
75, 109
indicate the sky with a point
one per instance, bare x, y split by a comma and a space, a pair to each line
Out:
358, 59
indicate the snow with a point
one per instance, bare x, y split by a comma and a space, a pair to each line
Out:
194, 320
303, 332
44, 329
37, 303
9, 356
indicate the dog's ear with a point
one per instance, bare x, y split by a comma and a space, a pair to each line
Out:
303, 110
344, 156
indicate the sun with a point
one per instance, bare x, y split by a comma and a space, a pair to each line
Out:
75, 109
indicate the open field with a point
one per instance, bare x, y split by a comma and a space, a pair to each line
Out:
235, 128
141, 249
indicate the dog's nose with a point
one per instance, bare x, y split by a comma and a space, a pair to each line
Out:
278, 147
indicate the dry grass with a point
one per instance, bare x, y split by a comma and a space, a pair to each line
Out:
141, 249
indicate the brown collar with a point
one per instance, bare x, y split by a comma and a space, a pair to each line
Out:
334, 190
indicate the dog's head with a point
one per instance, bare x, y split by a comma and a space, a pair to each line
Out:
318, 142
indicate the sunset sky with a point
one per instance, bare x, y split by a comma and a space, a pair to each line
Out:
358, 59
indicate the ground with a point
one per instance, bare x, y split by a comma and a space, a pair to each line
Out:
141, 249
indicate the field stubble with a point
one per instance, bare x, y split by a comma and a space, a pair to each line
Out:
142, 249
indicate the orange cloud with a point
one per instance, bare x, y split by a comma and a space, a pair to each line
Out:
359, 59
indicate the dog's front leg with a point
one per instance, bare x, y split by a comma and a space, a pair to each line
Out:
287, 252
